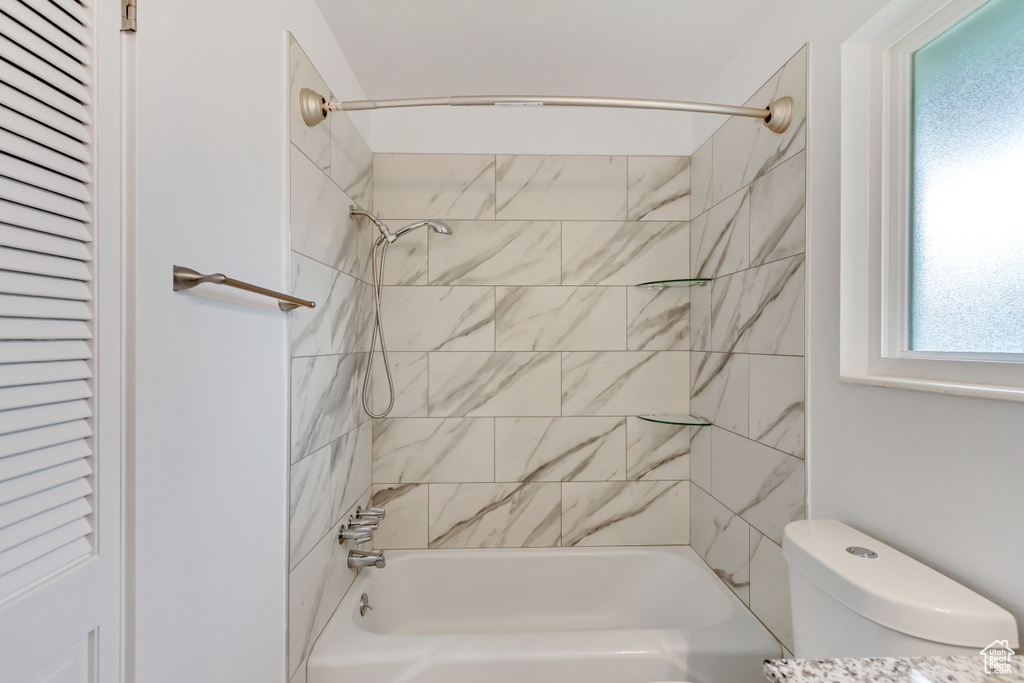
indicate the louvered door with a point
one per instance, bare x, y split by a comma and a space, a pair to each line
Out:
59, 489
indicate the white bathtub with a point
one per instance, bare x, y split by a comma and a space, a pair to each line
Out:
559, 615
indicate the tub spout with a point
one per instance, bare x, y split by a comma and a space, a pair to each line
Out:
357, 559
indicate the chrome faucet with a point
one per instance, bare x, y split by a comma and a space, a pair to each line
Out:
354, 522
370, 514
357, 535
357, 559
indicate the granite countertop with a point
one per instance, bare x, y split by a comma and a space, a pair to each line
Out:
969, 669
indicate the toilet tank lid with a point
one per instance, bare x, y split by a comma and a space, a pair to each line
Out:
892, 589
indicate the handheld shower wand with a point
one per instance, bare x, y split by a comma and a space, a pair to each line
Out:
382, 243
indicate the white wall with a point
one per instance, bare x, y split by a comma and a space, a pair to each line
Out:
936, 476
209, 548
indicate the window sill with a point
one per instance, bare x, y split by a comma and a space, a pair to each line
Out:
1002, 393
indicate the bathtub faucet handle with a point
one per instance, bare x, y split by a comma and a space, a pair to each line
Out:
357, 535
370, 513
355, 523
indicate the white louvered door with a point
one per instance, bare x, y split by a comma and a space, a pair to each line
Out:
60, 328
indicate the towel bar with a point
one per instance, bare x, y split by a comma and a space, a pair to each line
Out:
186, 278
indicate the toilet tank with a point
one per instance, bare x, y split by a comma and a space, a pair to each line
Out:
874, 601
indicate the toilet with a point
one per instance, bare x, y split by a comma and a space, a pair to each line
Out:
854, 596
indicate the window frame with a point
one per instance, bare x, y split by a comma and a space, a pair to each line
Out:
877, 82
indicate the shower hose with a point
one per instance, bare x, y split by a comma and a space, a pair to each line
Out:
378, 331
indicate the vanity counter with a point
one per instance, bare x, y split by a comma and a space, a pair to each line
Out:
968, 669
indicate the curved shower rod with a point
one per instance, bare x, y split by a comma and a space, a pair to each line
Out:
776, 116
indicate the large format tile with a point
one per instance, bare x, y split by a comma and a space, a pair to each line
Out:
769, 587
300, 675
744, 149
777, 402
700, 317
351, 160
700, 456
560, 318
720, 238
502, 383
777, 212
340, 322
494, 515
409, 373
561, 187
625, 513
625, 382
433, 186
497, 253
656, 451
321, 227
351, 468
313, 141
700, 179
405, 525
559, 449
425, 449
406, 260
309, 504
657, 319
624, 253
307, 584
760, 310
721, 537
659, 188
762, 485
719, 389
324, 400
315, 589
438, 318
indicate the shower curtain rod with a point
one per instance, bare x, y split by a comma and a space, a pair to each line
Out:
776, 116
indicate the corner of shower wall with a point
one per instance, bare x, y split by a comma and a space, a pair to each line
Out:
331, 168
747, 374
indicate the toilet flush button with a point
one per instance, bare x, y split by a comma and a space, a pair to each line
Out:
862, 552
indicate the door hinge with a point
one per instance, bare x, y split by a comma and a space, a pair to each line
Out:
128, 15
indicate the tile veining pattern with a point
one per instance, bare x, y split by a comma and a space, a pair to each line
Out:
747, 365
522, 352
331, 168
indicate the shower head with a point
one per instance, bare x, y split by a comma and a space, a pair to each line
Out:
440, 227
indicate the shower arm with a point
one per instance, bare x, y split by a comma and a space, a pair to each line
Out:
776, 116
385, 232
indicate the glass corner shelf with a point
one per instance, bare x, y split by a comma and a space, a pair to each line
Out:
688, 282
676, 420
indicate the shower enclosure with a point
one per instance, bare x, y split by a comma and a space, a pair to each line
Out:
524, 357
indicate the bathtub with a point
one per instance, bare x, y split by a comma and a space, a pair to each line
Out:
558, 615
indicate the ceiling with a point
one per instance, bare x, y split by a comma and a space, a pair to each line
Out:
658, 49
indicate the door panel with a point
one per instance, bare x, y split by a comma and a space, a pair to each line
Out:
60, 341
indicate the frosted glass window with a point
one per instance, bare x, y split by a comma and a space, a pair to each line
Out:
967, 185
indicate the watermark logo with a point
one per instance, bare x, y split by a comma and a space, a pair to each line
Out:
997, 658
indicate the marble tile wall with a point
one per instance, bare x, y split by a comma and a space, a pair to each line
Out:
747, 365
522, 352
331, 168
